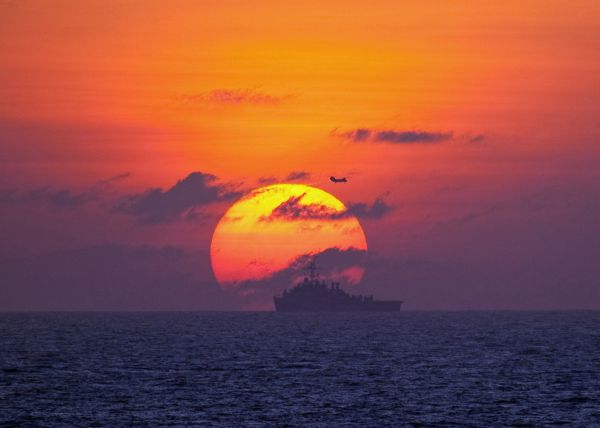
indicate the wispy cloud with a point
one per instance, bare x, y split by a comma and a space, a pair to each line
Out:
479, 138
393, 136
114, 178
294, 209
58, 198
267, 180
298, 176
182, 201
292, 176
235, 96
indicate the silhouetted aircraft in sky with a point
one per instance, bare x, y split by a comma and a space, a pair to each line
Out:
338, 180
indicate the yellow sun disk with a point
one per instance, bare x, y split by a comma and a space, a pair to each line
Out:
248, 244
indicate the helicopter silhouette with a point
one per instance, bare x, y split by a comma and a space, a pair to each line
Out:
338, 180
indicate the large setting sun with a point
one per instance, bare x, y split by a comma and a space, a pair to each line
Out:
270, 228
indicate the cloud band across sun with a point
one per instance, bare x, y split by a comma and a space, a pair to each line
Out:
294, 209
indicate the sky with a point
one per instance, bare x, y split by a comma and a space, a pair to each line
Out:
468, 131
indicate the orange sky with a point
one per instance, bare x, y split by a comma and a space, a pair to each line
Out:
249, 90
465, 67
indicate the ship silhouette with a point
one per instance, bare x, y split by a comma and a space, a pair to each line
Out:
314, 295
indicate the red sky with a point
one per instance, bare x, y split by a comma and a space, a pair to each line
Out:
476, 124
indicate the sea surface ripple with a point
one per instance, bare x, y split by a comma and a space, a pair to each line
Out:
272, 369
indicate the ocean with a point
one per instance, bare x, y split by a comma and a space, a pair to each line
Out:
272, 369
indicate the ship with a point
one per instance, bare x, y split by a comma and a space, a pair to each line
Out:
315, 295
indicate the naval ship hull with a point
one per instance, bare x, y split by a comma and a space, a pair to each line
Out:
284, 305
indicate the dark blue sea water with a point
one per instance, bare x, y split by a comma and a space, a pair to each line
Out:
267, 369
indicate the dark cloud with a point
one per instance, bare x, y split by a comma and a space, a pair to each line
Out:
292, 176
294, 209
378, 209
59, 198
267, 180
359, 135
298, 176
111, 277
401, 137
181, 201
235, 96
332, 259
392, 136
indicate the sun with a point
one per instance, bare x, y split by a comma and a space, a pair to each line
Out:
272, 227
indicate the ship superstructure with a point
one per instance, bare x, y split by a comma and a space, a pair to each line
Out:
316, 295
